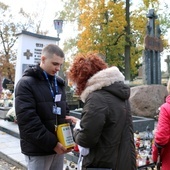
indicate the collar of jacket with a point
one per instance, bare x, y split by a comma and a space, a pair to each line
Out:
101, 79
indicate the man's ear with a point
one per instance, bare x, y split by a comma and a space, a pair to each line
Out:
43, 58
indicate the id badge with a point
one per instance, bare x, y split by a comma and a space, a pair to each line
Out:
56, 110
59, 110
57, 97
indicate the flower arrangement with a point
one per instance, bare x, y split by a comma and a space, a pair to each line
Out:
6, 99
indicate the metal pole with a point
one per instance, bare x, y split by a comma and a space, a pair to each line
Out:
58, 39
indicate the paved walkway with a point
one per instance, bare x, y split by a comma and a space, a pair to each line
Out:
10, 146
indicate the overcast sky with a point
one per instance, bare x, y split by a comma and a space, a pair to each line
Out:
51, 6
48, 6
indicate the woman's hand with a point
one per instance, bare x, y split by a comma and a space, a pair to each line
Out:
72, 118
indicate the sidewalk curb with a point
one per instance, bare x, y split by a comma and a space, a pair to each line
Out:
10, 132
13, 162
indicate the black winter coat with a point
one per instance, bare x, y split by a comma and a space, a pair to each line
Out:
106, 123
33, 106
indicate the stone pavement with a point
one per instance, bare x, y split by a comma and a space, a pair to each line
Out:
10, 146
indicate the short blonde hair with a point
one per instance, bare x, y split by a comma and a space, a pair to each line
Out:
168, 86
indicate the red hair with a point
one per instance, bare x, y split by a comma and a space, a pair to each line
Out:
84, 67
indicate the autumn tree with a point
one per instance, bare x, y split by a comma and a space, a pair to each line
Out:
7, 40
102, 29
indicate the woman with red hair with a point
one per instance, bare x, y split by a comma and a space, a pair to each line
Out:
105, 127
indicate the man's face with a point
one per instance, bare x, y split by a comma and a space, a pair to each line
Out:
51, 65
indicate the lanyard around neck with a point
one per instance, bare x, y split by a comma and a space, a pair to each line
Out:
55, 83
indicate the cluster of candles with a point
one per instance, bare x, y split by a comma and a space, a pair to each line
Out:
143, 143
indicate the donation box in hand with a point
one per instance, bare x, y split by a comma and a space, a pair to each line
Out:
64, 135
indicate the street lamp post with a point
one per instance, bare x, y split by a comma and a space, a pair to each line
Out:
58, 25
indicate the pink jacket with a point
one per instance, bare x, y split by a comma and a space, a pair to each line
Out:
162, 135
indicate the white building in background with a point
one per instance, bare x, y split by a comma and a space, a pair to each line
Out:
29, 48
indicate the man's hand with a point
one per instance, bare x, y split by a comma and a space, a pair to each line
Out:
60, 149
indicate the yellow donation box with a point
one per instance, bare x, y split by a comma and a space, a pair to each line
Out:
64, 135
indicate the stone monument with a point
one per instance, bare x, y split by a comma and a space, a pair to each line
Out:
29, 50
30, 46
153, 47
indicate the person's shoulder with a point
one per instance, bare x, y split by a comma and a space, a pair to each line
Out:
33, 71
